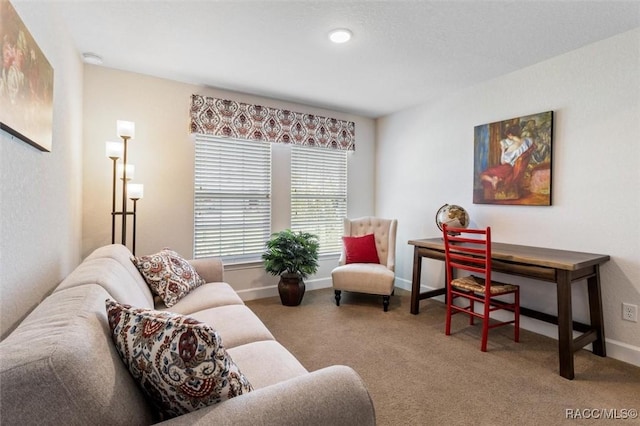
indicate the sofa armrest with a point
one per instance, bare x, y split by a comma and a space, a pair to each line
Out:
209, 268
334, 395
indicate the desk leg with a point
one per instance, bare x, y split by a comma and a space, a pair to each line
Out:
415, 282
565, 325
595, 312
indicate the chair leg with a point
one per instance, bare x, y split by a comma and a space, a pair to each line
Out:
385, 302
485, 325
516, 325
471, 308
447, 326
338, 294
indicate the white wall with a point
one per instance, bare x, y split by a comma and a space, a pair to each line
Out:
163, 153
40, 193
425, 159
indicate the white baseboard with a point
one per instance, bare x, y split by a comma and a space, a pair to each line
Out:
258, 293
623, 352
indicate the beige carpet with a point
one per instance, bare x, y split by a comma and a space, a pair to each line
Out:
418, 376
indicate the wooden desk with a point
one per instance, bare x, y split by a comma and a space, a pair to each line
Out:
557, 266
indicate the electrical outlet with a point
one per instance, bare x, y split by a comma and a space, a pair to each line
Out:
629, 312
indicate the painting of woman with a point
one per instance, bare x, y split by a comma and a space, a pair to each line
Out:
511, 148
512, 161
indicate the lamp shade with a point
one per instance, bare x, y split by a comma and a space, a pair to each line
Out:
135, 191
114, 150
126, 129
130, 171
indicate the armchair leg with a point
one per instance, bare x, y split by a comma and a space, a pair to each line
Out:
385, 302
338, 294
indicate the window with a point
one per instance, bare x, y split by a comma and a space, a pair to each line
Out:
319, 194
232, 198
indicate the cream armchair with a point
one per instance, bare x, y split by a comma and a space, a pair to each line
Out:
372, 278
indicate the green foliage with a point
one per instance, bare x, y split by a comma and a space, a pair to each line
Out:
291, 252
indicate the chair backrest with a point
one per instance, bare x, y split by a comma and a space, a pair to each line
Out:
469, 250
384, 231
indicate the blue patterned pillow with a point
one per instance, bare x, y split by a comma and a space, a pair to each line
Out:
179, 362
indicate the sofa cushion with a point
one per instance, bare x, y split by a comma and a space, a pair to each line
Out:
179, 362
266, 362
168, 274
360, 249
236, 324
122, 255
110, 275
60, 367
206, 296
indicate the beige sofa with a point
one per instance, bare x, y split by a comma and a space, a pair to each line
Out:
60, 365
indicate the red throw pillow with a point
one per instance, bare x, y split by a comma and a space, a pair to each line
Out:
361, 249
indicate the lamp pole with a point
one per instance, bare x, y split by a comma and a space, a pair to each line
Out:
135, 191
124, 193
113, 202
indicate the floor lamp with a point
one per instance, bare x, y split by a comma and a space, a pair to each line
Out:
115, 151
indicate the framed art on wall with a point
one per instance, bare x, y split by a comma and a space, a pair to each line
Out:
26, 83
512, 161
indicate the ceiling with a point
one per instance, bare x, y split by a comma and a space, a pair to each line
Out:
403, 53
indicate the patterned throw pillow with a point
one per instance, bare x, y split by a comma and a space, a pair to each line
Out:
179, 362
168, 275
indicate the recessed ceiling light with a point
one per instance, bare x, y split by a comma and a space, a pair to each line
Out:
92, 58
340, 35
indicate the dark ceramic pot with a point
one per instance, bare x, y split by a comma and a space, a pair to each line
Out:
291, 288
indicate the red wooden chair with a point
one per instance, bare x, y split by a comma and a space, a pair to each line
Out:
470, 250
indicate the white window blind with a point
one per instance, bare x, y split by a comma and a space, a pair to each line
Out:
232, 198
319, 194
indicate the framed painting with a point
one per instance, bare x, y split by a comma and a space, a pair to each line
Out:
26, 83
512, 161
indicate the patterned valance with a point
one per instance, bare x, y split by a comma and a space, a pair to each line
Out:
220, 117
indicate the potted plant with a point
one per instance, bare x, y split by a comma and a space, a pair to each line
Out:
293, 256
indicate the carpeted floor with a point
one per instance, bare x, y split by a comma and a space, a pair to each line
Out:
418, 376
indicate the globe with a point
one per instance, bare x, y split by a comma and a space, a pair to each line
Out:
452, 215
